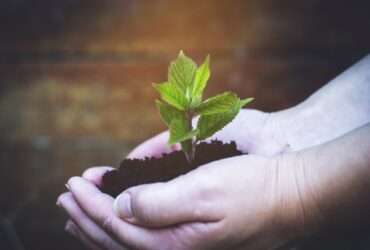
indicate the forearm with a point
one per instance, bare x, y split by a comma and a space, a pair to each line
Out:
334, 182
337, 108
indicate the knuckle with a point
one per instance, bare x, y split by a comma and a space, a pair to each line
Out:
145, 202
208, 190
108, 223
139, 206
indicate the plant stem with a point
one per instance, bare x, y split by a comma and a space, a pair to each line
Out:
189, 149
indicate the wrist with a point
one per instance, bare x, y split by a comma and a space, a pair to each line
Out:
297, 212
299, 125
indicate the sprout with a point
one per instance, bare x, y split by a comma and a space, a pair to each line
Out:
181, 100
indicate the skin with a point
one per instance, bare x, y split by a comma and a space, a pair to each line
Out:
300, 179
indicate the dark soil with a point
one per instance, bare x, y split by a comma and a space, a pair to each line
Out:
134, 172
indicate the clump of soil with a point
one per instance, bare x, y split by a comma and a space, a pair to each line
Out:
134, 172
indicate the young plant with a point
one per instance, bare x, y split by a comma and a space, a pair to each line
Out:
181, 100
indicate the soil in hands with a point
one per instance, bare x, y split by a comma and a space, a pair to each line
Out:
133, 172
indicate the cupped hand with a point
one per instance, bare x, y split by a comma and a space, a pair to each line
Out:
209, 208
254, 131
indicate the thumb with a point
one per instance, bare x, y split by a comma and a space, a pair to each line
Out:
165, 204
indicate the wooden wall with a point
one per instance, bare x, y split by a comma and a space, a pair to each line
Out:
75, 79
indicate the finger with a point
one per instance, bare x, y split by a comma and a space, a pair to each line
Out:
95, 174
154, 147
86, 225
163, 204
99, 207
73, 229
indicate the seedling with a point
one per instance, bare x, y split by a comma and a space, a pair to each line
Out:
181, 101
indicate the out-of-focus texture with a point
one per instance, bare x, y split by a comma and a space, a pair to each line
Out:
75, 80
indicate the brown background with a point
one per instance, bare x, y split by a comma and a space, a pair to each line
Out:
75, 80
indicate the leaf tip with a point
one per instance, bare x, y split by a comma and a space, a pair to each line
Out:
246, 101
208, 59
181, 53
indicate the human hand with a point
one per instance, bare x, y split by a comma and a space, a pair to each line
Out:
266, 134
260, 134
204, 209
254, 131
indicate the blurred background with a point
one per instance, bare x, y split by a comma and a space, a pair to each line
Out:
75, 83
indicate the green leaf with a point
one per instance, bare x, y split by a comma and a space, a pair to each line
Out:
182, 72
168, 113
200, 81
210, 124
172, 95
180, 131
185, 137
218, 104
245, 101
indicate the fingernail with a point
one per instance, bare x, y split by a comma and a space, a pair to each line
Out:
59, 202
67, 186
122, 206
